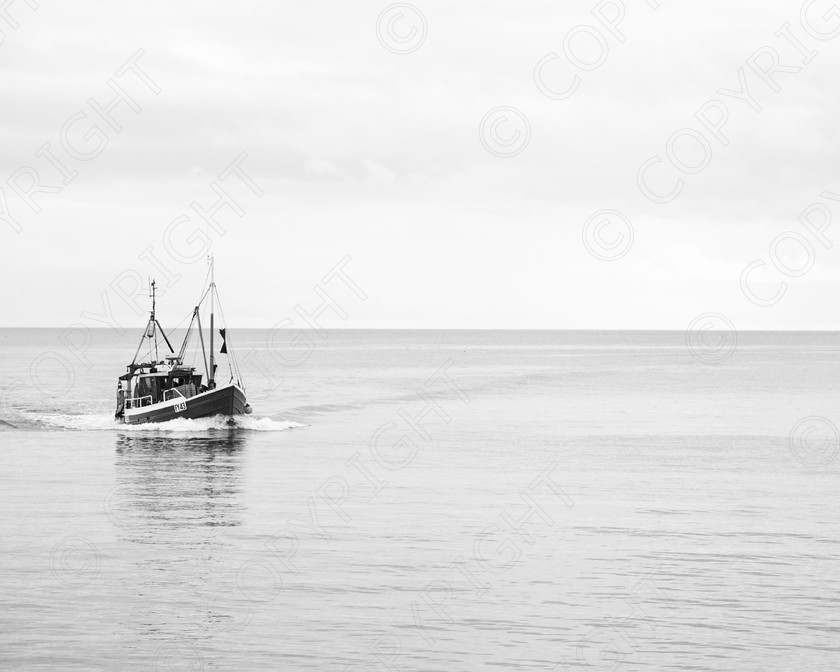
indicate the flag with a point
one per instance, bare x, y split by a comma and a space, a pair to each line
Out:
224, 344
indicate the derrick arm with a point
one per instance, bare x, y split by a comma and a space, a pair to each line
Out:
163, 333
203, 351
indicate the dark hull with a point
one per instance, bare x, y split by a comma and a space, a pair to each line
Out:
229, 400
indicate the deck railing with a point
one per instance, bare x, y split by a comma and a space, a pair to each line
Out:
138, 402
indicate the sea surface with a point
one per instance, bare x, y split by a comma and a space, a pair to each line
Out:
428, 500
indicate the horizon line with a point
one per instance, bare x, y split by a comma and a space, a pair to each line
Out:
558, 329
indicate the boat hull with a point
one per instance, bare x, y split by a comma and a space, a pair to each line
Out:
227, 400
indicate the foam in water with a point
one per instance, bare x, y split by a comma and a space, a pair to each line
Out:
106, 422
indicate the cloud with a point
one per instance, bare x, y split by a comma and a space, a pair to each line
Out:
364, 151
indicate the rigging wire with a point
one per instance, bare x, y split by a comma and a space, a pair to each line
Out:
188, 336
229, 352
232, 362
205, 285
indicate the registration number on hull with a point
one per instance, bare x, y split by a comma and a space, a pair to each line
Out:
181, 406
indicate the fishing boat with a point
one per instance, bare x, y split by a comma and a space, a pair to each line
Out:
162, 389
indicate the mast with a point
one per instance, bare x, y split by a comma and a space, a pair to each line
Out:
211, 376
149, 331
152, 332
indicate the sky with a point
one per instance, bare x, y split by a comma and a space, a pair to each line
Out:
615, 164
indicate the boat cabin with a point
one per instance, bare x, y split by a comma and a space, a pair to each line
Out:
155, 382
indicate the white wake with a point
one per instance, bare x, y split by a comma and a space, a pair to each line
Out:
106, 422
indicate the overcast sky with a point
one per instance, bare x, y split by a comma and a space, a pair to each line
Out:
482, 164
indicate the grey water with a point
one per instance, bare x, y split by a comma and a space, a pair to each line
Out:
425, 500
